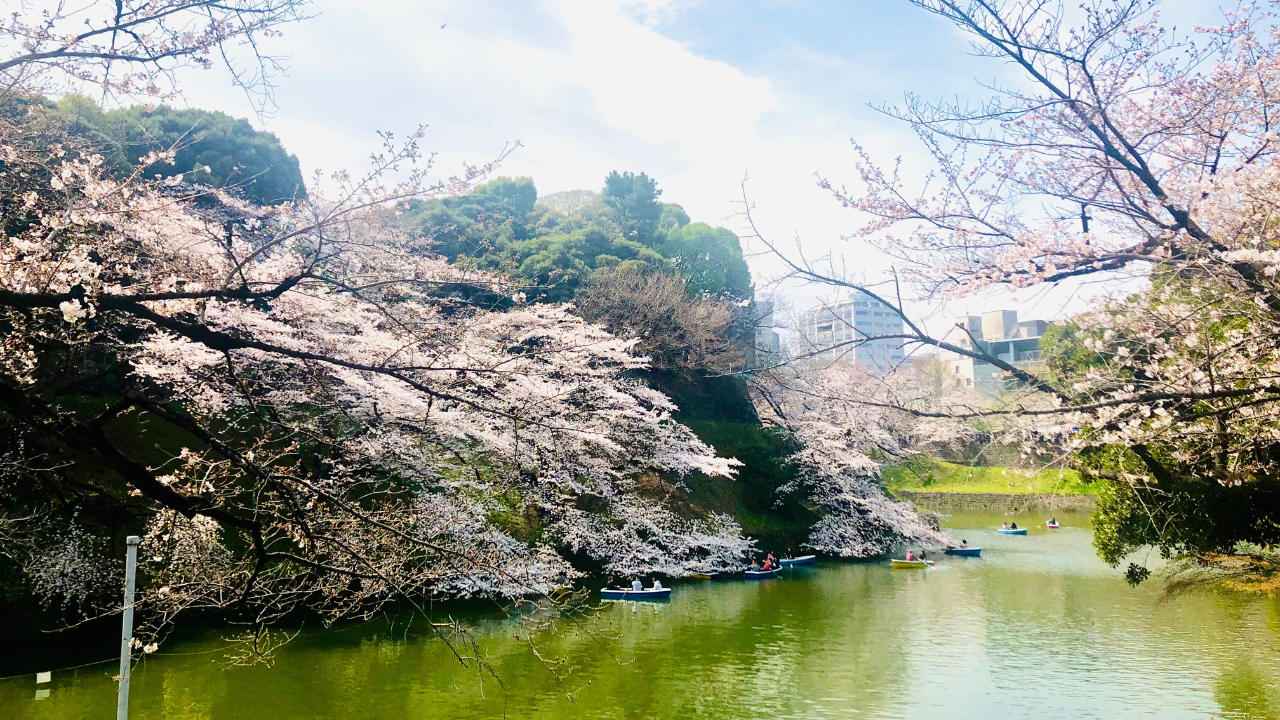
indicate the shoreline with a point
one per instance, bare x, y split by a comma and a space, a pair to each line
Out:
997, 502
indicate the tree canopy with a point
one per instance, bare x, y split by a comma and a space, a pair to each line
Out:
306, 407
558, 245
1168, 393
634, 200
294, 410
711, 258
212, 148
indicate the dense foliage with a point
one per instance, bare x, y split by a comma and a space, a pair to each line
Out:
1195, 474
294, 407
558, 246
210, 148
300, 404
847, 422
1130, 149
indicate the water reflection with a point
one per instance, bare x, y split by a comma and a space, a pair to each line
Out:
1037, 628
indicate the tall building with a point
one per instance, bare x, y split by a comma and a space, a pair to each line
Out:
766, 347
831, 330
999, 334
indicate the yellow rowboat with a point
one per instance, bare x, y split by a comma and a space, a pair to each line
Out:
700, 576
911, 564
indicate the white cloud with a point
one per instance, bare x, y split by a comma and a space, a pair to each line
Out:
591, 86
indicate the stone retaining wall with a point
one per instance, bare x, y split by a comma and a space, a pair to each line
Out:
1000, 502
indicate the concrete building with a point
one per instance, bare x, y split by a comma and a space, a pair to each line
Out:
767, 346
831, 330
999, 334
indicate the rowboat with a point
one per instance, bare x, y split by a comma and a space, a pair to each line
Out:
911, 564
663, 594
1010, 531
763, 574
700, 576
1052, 525
802, 560
964, 552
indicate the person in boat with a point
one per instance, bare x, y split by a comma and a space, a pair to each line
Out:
790, 555
657, 584
1004, 526
964, 544
637, 585
1053, 521
910, 556
1013, 526
770, 562
612, 584
755, 564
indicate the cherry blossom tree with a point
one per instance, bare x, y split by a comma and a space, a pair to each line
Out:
302, 406
848, 422
135, 48
1126, 149
348, 410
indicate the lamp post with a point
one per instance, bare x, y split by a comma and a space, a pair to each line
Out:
126, 634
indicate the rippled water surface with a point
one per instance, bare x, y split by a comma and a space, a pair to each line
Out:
1037, 628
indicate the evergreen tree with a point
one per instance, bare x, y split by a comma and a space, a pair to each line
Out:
213, 148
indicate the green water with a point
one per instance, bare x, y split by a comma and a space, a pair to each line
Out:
1038, 628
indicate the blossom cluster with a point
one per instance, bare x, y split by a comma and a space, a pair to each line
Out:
357, 419
1133, 151
849, 423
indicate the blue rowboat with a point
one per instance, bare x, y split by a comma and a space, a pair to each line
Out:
964, 552
663, 594
763, 574
802, 560
1009, 531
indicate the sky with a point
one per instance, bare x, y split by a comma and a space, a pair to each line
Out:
701, 95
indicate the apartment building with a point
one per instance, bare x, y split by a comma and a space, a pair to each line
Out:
767, 346
999, 334
832, 329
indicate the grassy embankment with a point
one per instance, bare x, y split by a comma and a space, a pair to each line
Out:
933, 475
719, 411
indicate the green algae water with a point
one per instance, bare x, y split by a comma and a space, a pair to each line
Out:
1037, 628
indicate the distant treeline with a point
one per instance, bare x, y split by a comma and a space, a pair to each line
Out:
560, 242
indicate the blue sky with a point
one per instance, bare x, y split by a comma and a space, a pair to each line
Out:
697, 94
